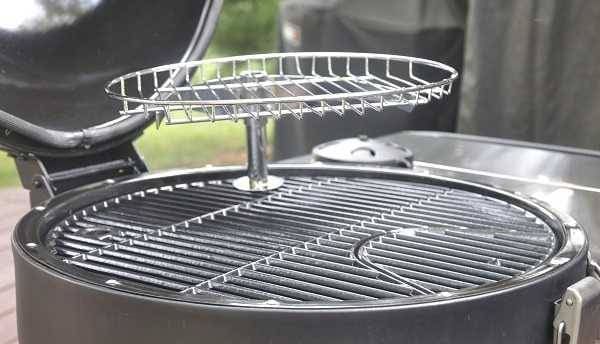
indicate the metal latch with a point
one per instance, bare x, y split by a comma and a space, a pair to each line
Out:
578, 318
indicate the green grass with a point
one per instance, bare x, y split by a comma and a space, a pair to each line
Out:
192, 145
195, 145
176, 146
8, 173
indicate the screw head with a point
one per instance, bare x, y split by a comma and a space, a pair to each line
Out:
569, 302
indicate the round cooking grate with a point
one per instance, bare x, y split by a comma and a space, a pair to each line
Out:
315, 239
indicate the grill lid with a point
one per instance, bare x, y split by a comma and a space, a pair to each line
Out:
327, 239
56, 58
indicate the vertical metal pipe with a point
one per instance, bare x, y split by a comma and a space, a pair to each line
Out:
258, 178
256, 145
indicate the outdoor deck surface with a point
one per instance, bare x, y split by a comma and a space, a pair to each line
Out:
13, 205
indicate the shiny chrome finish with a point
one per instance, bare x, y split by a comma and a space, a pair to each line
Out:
256, 87
258, 178
271, 89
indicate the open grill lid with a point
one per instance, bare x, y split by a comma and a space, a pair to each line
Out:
56, 57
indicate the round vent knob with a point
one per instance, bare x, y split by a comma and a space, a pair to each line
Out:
363, 150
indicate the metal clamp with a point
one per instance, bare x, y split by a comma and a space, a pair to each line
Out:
577, 320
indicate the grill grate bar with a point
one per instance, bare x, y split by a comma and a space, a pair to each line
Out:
361, 193
498, 250
277, 280
163, 211
241, 290
164, 202
125, 221
211, 245
233, 257
342, 286
298, 219
539, 240
322, 198
140, 213
284, 235
264, 281
293, 224
134, 276
442, 246
495, 217
178, 257
540, 251
253, 242
401, 247
460, 221
434, 267
341, 274
420, 277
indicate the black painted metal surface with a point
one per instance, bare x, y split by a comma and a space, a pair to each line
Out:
56, 56
517, 311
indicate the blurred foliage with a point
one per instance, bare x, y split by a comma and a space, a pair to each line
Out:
189, 146
8, 173
245, 27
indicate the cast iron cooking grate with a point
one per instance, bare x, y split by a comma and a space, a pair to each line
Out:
313, 239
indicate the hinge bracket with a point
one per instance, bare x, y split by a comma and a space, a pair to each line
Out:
46, 176
577, 320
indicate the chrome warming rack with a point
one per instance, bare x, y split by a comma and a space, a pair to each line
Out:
256, 87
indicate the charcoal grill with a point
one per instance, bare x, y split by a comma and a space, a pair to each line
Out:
315, 253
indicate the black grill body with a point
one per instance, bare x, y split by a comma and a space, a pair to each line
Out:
71, 302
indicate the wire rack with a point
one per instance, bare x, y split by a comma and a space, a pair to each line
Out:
277, 85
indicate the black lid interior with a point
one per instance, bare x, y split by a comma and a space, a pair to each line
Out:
56, 56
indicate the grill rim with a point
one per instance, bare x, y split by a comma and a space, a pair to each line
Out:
42, 219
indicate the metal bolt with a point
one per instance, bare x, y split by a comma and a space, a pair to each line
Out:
569, 302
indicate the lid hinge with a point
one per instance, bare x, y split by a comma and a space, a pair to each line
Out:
577, 319
45, 177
